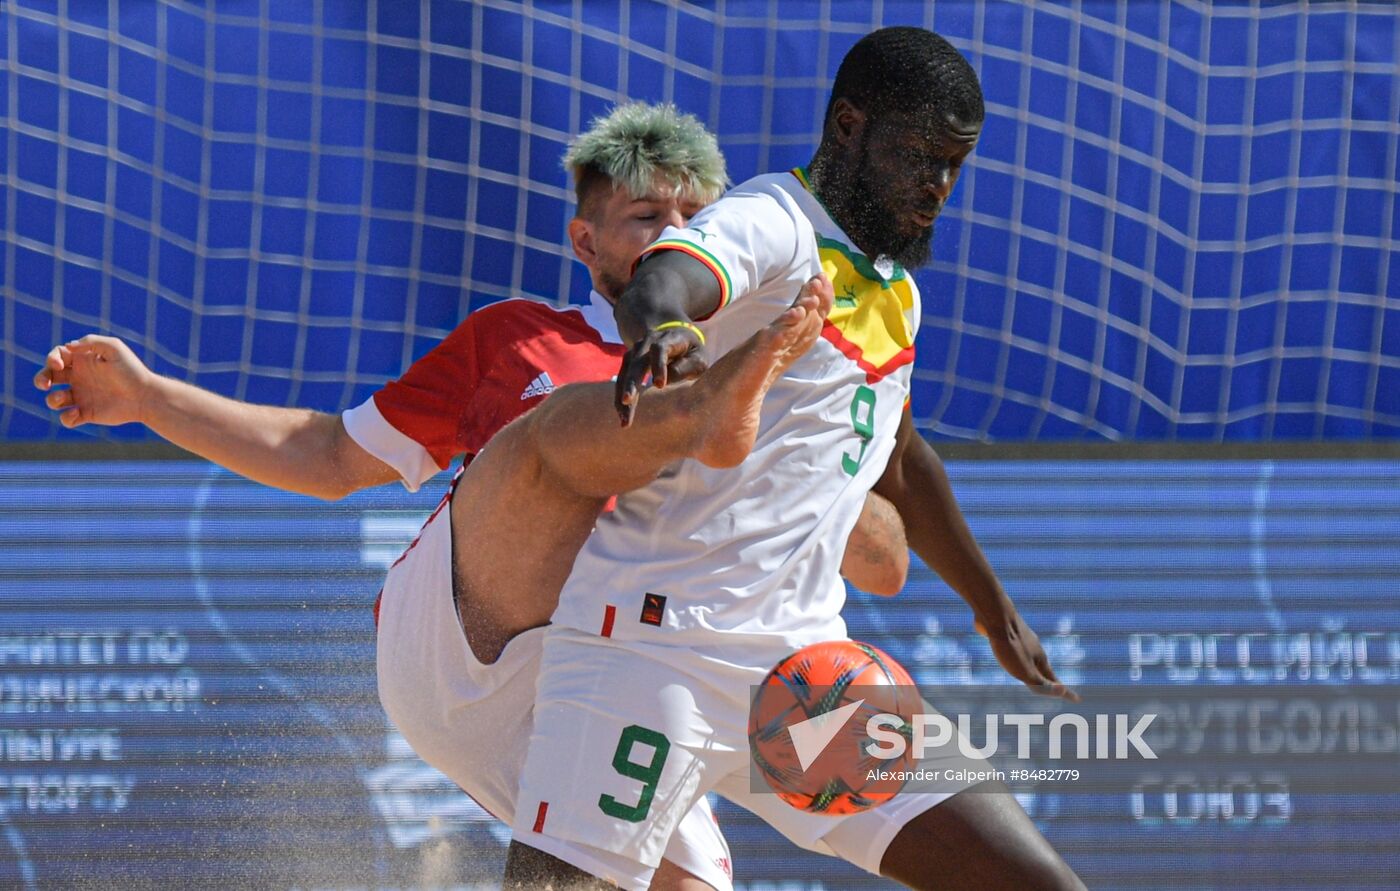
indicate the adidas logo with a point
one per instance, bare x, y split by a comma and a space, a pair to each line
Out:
540, 386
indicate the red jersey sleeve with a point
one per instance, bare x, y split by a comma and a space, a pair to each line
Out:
498, 364
429, 402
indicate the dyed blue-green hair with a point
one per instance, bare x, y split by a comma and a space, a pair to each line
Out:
636, 143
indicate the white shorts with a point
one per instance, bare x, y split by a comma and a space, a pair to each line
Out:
628, 735
473, 721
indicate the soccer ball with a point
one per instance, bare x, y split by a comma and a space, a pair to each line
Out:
807, 727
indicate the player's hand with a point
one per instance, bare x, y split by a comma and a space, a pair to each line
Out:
667, 355
1018, 650
99, 380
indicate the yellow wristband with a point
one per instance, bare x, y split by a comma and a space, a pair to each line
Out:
689, 326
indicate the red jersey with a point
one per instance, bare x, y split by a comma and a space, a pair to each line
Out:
499, 363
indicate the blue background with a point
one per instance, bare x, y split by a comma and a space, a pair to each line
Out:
280, 770
1179, 223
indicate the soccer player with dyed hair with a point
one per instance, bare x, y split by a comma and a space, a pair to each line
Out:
737, 568
461, 611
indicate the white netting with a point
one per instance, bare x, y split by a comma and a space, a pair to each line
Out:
1178, 223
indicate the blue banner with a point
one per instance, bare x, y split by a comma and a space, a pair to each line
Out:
187, 688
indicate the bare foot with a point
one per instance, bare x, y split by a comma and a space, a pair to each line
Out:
729, 396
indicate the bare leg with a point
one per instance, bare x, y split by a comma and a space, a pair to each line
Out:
527, 503
544, 478
980, 840
714, 419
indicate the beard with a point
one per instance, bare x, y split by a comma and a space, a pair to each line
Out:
854, 193
909, 251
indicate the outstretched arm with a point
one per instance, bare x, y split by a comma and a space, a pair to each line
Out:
99, 380
916, 483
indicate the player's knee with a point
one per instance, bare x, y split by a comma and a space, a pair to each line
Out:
526, 441
900, 577
889, 578
538, 446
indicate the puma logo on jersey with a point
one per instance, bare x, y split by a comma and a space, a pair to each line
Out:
653, 609
540, 386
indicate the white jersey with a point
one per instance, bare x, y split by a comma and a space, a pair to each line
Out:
750, 557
